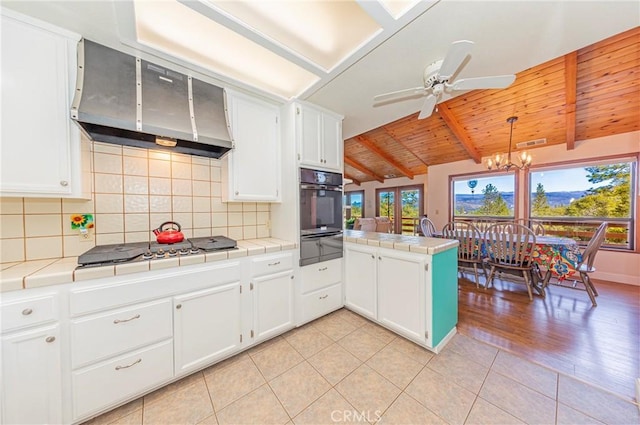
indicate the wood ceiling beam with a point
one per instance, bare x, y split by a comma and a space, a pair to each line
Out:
570, 82
350, 162
458, 130
353, 179
367, 143
396, 139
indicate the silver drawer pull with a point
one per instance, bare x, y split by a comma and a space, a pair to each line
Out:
323, 297
50, 338
27, 311
322, 269
129, 365
274, 264
137, 316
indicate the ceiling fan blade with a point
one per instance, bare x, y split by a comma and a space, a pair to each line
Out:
399, 94
427, 106
495, 82
456, 54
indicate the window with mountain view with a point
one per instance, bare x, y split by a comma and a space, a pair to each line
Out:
484, 196
572, 201
354, 205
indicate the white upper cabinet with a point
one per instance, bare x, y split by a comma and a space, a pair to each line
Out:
319, 138
40, 145
253, 165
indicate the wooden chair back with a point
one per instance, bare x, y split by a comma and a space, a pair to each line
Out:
468, 236
427, 227
589, 253
510, 244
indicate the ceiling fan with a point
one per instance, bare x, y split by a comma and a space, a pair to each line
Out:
436, 80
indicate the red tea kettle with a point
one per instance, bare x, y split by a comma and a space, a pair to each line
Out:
172, 235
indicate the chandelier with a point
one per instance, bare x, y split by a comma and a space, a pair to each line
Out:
501, 161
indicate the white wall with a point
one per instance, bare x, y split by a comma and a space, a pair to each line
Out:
613, 266
370, 190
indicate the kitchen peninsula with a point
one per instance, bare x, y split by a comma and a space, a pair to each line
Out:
406, 283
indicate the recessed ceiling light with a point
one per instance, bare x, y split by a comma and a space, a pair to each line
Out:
173, 28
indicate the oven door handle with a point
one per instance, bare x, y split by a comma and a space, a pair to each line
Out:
320, 187
319, 236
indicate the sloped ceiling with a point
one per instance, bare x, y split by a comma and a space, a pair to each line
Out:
585, 94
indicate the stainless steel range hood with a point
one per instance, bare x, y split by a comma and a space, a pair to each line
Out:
128, 101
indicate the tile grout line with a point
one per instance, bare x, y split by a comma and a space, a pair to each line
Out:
210, 398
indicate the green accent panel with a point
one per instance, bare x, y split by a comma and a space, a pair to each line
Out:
445, 293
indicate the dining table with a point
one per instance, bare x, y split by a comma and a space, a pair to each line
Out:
554, 256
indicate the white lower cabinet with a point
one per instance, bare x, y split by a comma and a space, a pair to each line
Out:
32, 377
104, 335
271, 285
412, 293
120, 378
320, 290
206, 326
318, 303
401, 293
360, 279
272, 305
387, 286
81, 349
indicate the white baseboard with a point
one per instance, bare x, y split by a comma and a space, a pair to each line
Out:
616, 277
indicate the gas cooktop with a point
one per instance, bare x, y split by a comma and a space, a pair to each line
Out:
103, 255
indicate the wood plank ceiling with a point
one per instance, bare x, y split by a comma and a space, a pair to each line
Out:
586, 94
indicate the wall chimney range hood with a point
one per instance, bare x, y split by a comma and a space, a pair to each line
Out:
129, 101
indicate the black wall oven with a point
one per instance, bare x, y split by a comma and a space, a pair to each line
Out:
320, 216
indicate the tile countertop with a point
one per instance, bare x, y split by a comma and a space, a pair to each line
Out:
55, 271
418, 244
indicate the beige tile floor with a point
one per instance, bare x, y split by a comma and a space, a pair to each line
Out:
344, 369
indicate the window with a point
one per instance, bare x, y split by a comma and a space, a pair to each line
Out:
354, 207
484, 196
574, 199
404, 202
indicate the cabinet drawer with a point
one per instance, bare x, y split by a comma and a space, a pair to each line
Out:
104, 384
321, 302
320, 275
271, 264
114, 332
117, 291
27, 312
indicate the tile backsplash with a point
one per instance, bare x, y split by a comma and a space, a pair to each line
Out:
134, 191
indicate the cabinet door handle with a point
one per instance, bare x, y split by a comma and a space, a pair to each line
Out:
64, 183
50, 339
179, 306
274, 264
27, 311
137, 316
380, 258
322, 269
373, 256
323, 297
129, 365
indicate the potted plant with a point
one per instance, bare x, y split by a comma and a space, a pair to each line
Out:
348, 224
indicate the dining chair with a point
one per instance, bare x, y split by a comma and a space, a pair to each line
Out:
585, 266
427, 227
509, 248
469, 248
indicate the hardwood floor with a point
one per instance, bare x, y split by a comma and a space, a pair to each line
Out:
599, 345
